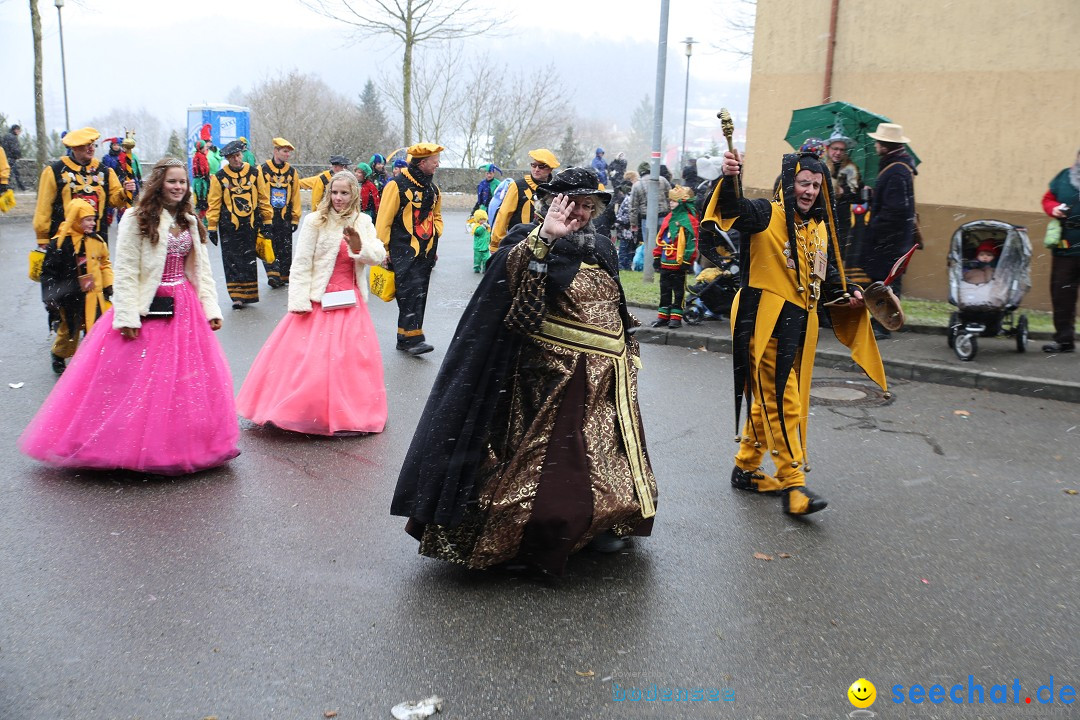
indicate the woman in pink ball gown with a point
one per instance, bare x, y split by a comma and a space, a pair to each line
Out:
320, 372
149, 389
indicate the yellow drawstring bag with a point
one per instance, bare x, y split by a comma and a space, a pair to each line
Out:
37, 257
382, 283
264, 248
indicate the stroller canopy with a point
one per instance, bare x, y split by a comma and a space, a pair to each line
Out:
1012, 267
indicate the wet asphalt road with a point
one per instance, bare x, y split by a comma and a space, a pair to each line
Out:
280, 587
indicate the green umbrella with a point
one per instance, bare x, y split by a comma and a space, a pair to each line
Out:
853, 122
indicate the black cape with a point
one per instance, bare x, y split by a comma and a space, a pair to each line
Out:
439, 477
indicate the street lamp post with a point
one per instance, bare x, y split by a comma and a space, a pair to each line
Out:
689, 42
63, 64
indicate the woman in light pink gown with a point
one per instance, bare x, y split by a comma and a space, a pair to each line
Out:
320, 372
147, 392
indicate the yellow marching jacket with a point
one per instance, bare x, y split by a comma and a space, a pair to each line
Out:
516, 208
65, 180
397, 221
317, 185
279, 193
233, 199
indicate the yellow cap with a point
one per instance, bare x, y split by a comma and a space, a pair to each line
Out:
423, 150
543, 155
282, 143
80, 137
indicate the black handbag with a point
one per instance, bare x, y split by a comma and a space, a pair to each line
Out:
162, 306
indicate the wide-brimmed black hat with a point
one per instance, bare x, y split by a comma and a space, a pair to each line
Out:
574, 181
339, 160
232, 148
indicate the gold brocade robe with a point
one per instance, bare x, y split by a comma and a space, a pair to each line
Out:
523, 439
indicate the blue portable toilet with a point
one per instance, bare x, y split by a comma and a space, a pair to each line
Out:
227, 123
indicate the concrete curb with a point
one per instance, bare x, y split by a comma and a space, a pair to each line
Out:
921, 371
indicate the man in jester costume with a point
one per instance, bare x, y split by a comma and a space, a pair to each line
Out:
790, 266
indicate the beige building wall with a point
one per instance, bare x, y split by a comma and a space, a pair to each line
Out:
988, 91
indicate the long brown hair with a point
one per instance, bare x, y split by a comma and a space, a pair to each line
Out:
151, 202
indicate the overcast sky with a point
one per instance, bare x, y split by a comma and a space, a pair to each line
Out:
141, 53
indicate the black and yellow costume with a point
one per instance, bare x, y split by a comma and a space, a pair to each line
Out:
317, 184
65, 180
73, 307
789, 267
233, 214
409, 224
517, 207
279, 206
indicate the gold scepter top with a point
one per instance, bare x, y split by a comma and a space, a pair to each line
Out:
727, 126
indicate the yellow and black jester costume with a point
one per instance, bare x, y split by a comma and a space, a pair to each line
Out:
410, 224
790, 265
232, 213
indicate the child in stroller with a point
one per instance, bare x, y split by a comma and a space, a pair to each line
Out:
989, 274
713, 290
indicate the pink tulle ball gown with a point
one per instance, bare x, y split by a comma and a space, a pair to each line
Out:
320, 372
161, 403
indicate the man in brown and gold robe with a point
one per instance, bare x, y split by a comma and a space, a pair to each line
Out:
531, 444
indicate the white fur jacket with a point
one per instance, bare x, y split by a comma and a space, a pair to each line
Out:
316, 251
139, 264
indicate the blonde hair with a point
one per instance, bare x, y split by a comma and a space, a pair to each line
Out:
322, 213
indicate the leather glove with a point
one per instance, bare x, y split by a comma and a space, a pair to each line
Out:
107, 292
213, 235
656, 264
294, 226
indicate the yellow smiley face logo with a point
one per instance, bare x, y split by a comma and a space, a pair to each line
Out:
862, 693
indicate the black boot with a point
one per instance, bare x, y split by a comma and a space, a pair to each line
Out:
753, 481
608, 542
1056, 347
418, 348
58, 364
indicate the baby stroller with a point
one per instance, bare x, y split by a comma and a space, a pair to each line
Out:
986, 308
714, 288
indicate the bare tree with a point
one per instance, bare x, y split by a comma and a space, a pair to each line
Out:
436, 92
151, 135
318, 120
534, 112
740, 24
39, 94
413, 22
477, 106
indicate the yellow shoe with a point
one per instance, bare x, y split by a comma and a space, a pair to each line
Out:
800, 500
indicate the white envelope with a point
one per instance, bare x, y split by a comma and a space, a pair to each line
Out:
338, 299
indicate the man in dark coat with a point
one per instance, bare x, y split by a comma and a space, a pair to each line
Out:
10, 143
891, 231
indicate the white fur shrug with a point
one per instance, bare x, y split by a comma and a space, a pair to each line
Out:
139, 264
315, 252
